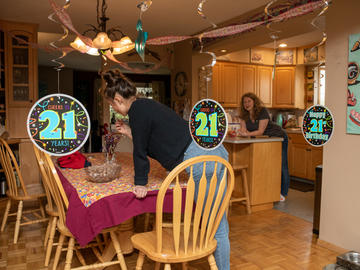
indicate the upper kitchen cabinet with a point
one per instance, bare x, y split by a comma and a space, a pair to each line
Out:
21, 76
248, 76
226, 79
289, 87
264, 84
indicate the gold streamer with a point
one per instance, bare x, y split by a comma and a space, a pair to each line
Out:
201, 13
65, 34
324, 38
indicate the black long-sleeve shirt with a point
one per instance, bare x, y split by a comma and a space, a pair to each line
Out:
158, 132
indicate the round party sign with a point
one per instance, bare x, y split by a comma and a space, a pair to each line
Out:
318, 125
208, 124
58, 124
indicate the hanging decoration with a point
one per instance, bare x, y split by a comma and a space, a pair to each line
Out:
201, 13
58, 124
208, 124
65, 19
141, 40
318, 125
65, 34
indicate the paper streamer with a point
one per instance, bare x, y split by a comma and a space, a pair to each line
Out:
325, 8
201, 13
65, 34
166, 40
298, 11
66, 21
140, 42
230, 30
144, 6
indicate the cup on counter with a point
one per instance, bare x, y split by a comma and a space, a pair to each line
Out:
234, 129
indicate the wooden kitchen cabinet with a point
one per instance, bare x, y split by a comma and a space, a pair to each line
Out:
19, 86
264, 84
248, 79
302, 157
226, 79
284, 87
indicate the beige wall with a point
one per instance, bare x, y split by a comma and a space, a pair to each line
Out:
340, 218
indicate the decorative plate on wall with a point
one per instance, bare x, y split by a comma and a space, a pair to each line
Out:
181, 83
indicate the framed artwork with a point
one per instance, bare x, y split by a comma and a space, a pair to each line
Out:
256, 57
353, 89
284, 57
310, 54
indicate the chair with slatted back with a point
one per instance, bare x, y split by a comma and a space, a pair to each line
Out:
191, 234
50, 207
19, 192
61, 201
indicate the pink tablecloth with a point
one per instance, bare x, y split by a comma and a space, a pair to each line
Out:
93, 206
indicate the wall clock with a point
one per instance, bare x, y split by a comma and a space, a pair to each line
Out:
181, 83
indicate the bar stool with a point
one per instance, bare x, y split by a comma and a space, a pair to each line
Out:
245, 200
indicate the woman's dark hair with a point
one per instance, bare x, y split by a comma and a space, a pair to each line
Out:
116, 82
258, 106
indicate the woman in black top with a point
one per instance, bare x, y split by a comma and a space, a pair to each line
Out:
158, 132
256, 121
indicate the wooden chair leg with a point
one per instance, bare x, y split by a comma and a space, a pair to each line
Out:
99, 242
42, 210
48, 228
118, 250
69, 254
6, 214
157, 266
146, 222
246, 190
140, 261
51, 240
167, 267
58, 251
212, 262
18, 221
184, 266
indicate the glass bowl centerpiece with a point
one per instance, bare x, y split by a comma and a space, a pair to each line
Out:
109, 169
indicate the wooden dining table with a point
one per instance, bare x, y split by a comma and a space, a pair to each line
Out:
96, 206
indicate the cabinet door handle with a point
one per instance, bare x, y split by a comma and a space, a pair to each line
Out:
308, 149
30, 100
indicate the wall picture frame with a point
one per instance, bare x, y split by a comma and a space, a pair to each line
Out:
310, 55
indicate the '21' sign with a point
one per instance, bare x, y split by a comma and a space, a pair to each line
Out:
58, 124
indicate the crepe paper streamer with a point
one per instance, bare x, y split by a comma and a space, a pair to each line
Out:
166, 40
230, 30
201, 13
66, 21
298, 11
141, 40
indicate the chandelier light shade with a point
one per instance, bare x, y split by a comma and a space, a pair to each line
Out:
102, 41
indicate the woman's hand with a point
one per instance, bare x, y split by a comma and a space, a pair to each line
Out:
124, 129
140, 191
244, 133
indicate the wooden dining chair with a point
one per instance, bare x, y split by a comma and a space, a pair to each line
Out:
61, 201
50, 207
19, 192
191, 234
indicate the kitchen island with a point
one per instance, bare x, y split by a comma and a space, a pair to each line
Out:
262, 155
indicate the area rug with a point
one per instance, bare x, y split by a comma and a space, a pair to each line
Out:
301, 185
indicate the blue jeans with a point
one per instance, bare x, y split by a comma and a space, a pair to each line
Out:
222, 252
285, 177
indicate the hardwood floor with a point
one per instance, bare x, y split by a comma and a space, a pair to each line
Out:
270, 240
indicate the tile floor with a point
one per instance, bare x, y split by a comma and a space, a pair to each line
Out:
299, 204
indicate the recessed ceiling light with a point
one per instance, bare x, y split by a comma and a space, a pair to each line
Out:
223, 50
282, 45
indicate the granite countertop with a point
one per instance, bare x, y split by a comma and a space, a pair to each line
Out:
259, 139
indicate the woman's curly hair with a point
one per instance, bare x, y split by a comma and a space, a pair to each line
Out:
258, 106
116, 82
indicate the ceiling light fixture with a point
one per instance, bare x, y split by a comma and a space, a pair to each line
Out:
223, 50
102, 41
282, 45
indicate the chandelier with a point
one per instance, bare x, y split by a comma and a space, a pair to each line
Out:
102, 41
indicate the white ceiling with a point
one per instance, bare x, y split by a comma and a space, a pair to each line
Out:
164, 17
